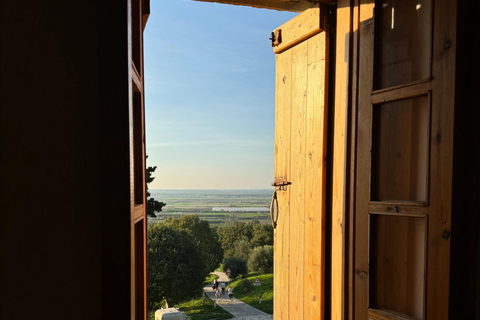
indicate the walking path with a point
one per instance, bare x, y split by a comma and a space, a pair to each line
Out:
237, 308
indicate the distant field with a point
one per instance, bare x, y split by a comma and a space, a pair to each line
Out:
201, 202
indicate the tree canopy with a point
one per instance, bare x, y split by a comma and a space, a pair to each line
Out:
176, 265
234, 234
152, 204
205, 237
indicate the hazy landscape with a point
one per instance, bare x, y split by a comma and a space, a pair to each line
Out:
214, 205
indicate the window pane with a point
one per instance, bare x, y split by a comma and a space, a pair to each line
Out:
403, 29
400, 150
398, 261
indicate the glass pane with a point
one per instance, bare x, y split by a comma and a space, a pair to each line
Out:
403, 29
398, 262
400, 150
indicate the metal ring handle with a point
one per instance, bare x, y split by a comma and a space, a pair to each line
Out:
272, 205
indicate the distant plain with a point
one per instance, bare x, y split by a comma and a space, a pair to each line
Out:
214, 205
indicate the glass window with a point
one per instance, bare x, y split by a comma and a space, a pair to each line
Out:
403, 47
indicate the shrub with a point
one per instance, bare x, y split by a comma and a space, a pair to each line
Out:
237, 266
261, 259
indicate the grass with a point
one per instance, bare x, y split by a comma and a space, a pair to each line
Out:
244, 290
202, 309
209, 279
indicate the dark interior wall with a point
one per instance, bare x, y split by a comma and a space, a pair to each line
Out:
465, 264
64, 179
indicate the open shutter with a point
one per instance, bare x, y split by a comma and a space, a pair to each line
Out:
138, 11
403, 173
301, 48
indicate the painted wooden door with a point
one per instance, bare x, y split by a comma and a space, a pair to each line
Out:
300, 154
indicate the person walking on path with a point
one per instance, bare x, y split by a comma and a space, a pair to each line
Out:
223, 287
215, 284
237, 308
217, 293
230, 293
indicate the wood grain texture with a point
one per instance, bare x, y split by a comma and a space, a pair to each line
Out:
315, 180
436, 210
339, 168
378, 314
363, 161
283, 85
300, 153
297, 176
302, 27
441, 158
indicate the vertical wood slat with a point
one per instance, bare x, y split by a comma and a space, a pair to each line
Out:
441, 158
363, 161
315, 182
283, 84
300, 155
297, 174
138, 243
352, 159
339, 166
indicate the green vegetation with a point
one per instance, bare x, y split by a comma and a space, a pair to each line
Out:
237, 266
202, 309
233, 236
205, 238
209, 279
152, 204
202, 202
176, 266
184, 249
244, 290
261, 259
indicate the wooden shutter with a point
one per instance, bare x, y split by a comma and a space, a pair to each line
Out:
403, 169
300, 153
138, 14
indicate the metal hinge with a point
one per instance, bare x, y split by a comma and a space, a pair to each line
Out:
276, 37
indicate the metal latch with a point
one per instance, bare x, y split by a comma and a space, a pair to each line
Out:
281, 183
276, 37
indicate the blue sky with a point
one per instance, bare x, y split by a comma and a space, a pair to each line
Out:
210, 95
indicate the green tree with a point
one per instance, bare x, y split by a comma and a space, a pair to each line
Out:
242, 249
261, 259
176, 266
237, 266
262, 235
152, 204
233, 232
205, 237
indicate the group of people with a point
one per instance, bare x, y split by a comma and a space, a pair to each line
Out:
217, 286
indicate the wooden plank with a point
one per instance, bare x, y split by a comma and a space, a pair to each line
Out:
352, 125
297, 173
315, 182
401, 93
339, 173
137, 80
302, 27
441, 159
378, 314
283, 86
405, 209
363, 164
